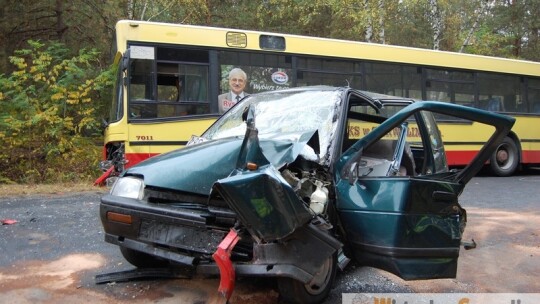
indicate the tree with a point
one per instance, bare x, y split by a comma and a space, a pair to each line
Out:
304, 17
480, 13
173, 11
517, 23
436, 16
77, 24
47, 112
410, 26
376, 16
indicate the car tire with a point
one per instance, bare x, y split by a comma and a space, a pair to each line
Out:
505, 159
294, 291
141, 259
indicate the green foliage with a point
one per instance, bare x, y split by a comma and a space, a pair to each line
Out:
172, 11
304, 17
48, 107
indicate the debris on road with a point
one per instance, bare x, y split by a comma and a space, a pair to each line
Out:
8, 222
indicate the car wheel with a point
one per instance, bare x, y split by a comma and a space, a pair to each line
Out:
505, 159
294, 291
141, 259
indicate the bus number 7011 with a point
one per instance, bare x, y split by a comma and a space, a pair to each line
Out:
144, 137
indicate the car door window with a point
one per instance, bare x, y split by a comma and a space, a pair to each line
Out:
414, 158
384, 157
438, 162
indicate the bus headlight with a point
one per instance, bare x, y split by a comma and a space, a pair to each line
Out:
128, 186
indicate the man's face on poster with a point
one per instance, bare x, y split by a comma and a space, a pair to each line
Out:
237, 83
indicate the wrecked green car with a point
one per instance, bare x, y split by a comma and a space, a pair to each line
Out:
293, 184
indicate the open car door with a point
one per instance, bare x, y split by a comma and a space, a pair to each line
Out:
396, 199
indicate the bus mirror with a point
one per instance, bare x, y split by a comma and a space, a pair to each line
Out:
125, 60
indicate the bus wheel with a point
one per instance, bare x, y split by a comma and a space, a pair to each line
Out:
141, 259
505, 159
293, 291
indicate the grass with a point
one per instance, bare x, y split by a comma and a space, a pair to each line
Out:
40, 189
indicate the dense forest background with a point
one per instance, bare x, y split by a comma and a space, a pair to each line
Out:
55, 55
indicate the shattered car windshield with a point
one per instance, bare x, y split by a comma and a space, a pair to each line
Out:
281, 115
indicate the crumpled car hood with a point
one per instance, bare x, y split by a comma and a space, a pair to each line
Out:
195, 168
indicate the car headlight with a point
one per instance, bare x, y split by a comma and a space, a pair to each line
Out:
128, 186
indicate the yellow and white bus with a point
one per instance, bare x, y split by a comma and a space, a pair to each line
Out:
169, 77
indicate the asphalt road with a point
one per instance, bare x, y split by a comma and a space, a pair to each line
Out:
56, 248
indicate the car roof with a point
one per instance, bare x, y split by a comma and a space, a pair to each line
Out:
382, 98
385, 99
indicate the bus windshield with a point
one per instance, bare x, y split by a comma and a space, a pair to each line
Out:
116, 110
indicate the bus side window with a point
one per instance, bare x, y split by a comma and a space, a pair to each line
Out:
179, 89
168, 88
535, 99
536, 107
141, 82
534, 96
495, 104
194, 89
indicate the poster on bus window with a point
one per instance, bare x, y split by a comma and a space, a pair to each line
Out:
259, 79
239, 81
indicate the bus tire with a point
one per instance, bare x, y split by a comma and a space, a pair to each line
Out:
294, 291
505, 159
141, 259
